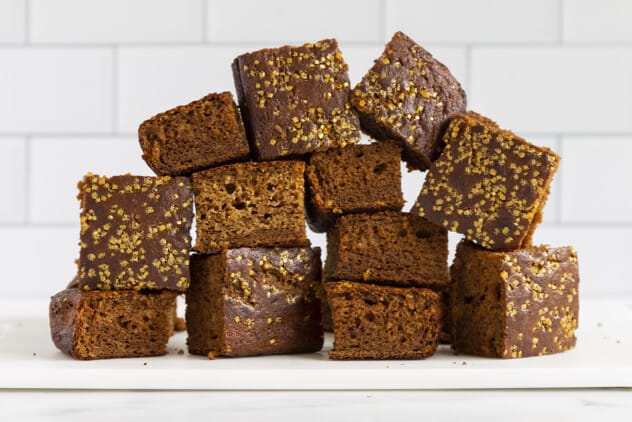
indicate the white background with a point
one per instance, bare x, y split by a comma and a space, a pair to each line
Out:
78, 76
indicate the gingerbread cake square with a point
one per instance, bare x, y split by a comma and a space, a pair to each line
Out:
514, 304
112, 324
134, 232
255, 301
489, 184
250, 204
408, 96
295, 100
382, 322
388, 248
193, 137
358, 178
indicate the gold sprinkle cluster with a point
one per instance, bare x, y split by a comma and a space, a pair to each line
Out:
283, 82
134, 232
403, 95
256, 278
541, 288
271, 272
488, 183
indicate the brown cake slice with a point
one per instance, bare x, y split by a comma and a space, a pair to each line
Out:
514, 304
295, 100
358, 178
489, 184
382, 322
387, 248
255, 301
135, 232
250, 204
192, 137
112, 324
408, 95
443, 315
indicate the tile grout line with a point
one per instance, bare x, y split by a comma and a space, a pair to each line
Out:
27, 180
27, 22
560, 177
204, 21
114, 90
560, 21
468, 71
257, 43
384, 20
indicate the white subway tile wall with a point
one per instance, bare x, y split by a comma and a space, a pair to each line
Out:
478, 21
13, 166
56, 90
290, 21
53, 199
12, 21
153, 79
116, 21
597, 21
78, 76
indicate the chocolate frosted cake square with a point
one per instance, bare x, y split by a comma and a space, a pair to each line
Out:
295, 100
134, 232
514, 304
408, 96
488, 184
255, 301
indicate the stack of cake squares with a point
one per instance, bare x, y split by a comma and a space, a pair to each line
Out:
386, 271
508, 297
133, 261
288, 155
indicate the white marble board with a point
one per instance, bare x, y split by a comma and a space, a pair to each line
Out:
603, 358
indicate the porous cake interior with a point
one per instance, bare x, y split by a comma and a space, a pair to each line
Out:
124, 324
478, 298
372, 323
250, 205
191, 137
204, 312
390, 247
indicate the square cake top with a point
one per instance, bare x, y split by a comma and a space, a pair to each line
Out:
192, 137
488, 184
408, 95
295, 100
134, 232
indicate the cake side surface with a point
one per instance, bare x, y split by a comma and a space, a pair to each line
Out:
112, 324
250, 204
388, 248
204, 133
267, 303
358, 178
382, 322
